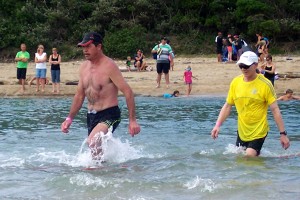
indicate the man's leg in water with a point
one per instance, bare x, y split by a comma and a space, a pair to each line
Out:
94, 140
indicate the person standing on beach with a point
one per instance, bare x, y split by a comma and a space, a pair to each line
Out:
187, 76
219, 45
55, 60
173, 56
41, 68
229, 42
251, 94
238, 45
163, 60
269, 69
22, 59
99, 82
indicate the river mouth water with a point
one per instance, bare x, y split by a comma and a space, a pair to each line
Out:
173, 157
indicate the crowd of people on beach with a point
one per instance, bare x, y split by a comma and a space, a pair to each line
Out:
40, 58
230, 48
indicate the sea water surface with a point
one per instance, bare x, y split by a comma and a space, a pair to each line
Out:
173, 157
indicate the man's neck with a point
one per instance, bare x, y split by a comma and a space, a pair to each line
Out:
250, 78
97, 58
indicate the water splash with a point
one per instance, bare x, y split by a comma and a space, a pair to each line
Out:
204, 184
208, 152
233, 149
286, 154
114, 150
87, 180
12, 162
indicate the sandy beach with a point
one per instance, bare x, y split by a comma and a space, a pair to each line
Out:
213, 78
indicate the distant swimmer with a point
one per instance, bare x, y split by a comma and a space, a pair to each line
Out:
252, 94
99, 81
288, 96
175, 94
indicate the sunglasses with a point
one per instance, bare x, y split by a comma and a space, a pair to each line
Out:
243, 66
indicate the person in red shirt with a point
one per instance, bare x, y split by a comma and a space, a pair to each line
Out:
188, 75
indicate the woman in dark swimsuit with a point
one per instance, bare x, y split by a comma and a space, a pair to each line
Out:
269, 69
55, 60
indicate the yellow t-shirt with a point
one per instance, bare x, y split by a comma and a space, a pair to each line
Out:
251, 100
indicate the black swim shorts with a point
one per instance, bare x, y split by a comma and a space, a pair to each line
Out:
219, 50
21, 73
163, 67
255, 144
110, 117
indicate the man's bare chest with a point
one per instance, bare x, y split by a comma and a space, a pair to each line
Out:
95, 79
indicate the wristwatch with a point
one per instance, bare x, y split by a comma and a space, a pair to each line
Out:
283, 133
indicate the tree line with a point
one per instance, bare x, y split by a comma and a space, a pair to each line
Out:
127, 25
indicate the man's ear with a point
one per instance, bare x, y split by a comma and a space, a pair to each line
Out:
99, 46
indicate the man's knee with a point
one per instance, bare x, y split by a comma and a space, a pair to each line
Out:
251, 152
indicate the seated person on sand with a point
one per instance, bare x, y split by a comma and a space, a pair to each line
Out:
139, 63
288, 96
175, 94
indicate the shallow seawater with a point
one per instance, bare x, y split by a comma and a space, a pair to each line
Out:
173, 157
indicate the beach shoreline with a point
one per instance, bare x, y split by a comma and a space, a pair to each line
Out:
213, 78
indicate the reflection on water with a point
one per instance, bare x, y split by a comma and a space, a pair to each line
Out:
173, 157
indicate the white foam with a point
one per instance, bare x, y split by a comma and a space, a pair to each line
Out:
207, 152
114, 150
233, 149
204, 184
285, 154
86, 180
12, 162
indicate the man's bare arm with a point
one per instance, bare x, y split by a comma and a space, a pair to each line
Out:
122, 85
284, 140
224, 113
296, 97
281, 98
79, 95
75, 107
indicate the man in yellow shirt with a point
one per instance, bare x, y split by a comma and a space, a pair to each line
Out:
251, 94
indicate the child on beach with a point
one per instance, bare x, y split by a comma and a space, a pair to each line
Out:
128, 63
187, 76
175, 94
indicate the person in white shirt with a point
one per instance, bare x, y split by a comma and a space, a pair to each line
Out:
41, 68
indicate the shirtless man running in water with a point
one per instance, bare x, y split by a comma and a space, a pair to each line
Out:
99, 81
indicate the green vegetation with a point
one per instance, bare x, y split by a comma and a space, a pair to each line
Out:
128, 25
